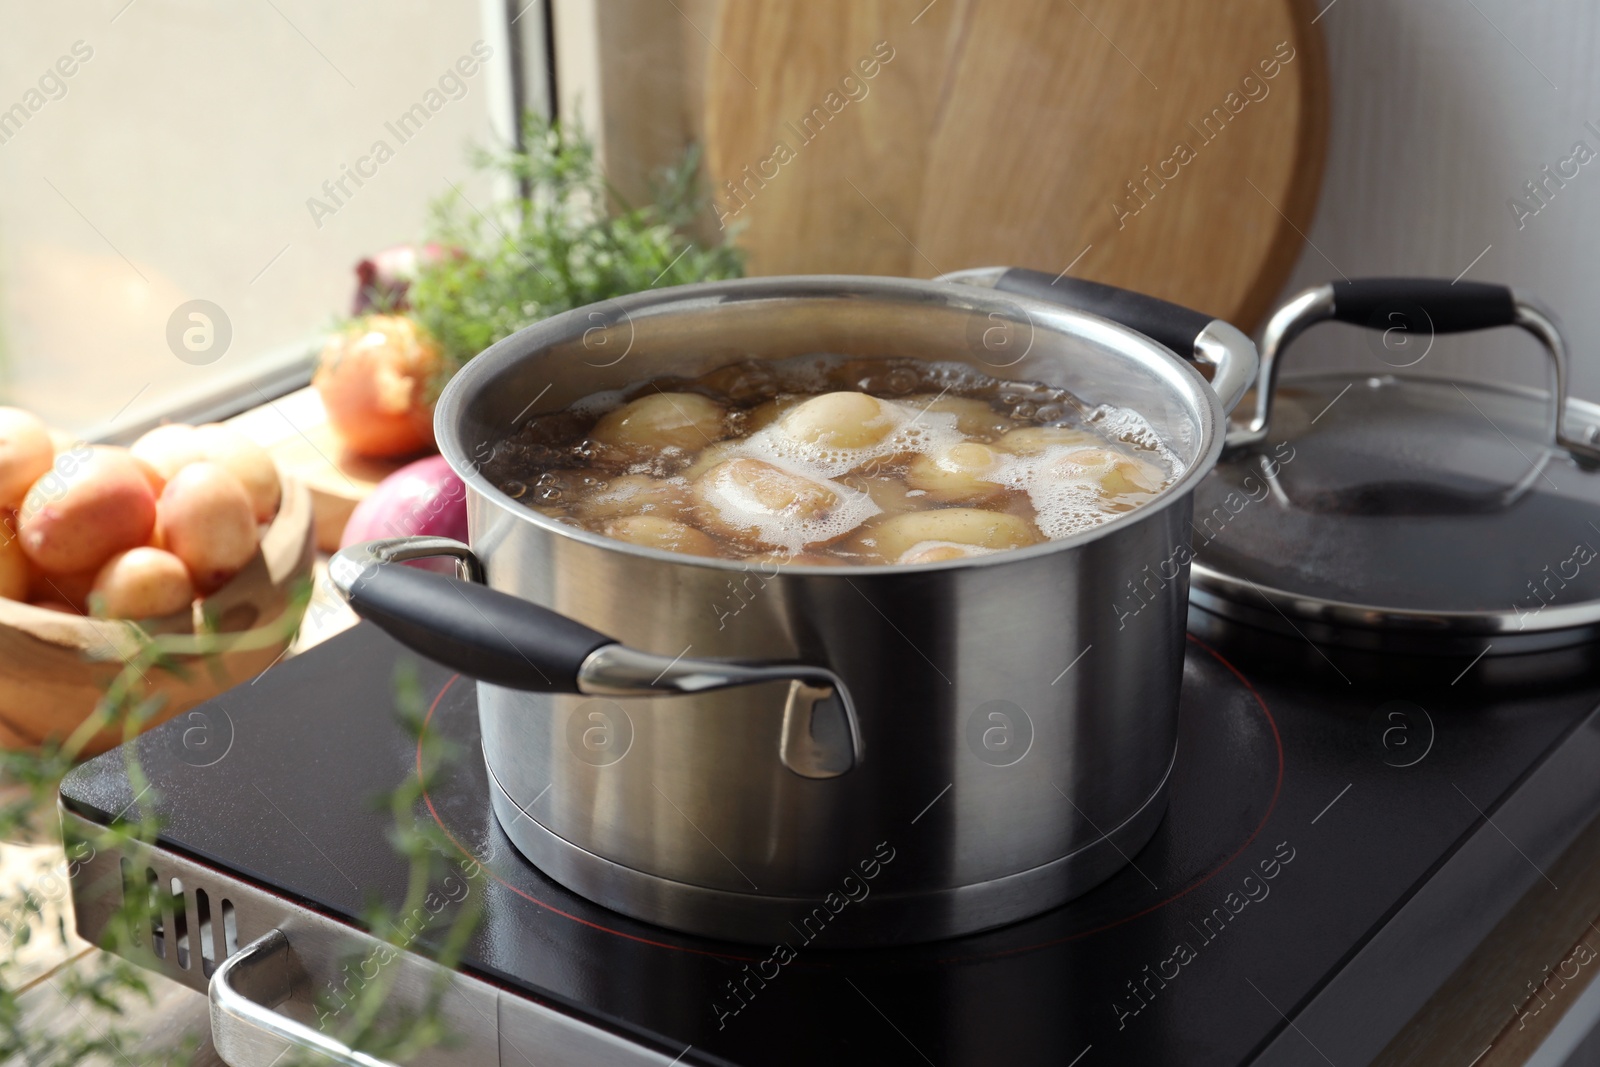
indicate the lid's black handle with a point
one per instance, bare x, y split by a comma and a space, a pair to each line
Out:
1444, 306
1420, 307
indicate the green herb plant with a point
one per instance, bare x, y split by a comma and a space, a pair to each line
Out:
101, 998
569, 240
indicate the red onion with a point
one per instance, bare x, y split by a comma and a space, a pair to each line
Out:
425, 497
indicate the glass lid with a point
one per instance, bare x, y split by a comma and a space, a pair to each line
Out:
1437, 508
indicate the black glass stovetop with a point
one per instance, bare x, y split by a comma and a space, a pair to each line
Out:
1304, 815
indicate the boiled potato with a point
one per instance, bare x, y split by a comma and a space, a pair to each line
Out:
889, 494
780, 559
644, 427
168, 449
654, 531
84, 512
898, 534
745, 499
1032, 440
763, 415
974, 418
841, 420
141, 583
707, 458
964, 473
940, 552
246, 461
13, 565
1115, 472
26, 452
635, 494
205, 518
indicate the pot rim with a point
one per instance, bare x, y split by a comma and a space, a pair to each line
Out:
1176, 372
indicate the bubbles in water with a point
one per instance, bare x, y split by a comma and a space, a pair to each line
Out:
1061, 495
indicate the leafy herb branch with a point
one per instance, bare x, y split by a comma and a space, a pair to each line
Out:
570, 240
103, 997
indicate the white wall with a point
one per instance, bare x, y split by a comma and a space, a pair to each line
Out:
179, 163
1438, 119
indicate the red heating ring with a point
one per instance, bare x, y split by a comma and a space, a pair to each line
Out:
1277, 788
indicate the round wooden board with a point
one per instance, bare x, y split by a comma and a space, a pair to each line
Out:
295, 430
1136, 142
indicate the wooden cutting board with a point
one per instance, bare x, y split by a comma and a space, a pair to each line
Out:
1164, 145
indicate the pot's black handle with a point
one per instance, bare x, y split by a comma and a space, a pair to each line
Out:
504, 640
481, 632
1446, 306
1171, 324
1199, 338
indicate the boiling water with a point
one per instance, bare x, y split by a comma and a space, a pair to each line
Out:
730, 464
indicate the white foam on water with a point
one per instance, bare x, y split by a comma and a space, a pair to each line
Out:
1122, 424
791, 529
914, 431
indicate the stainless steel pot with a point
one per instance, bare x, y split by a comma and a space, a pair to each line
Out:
778, 753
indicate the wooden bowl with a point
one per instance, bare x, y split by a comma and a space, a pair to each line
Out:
55, 668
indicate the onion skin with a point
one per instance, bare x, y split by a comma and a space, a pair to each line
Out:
374, 379
421, 498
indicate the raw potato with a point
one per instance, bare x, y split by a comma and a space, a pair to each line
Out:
69, 589
974, 417
841, 420
739, 497
207, 521
636, 494
154, 478
1032, 440
13, 565
898, 534
26, 451
964, 473
168, 449
141, 583
645, 426
246, 461
86, 511
653, 531
63, 441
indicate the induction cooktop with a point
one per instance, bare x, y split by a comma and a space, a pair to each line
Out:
1333, 848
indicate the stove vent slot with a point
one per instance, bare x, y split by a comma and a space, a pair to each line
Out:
180, 924
202, 918
146, 887
181, 930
